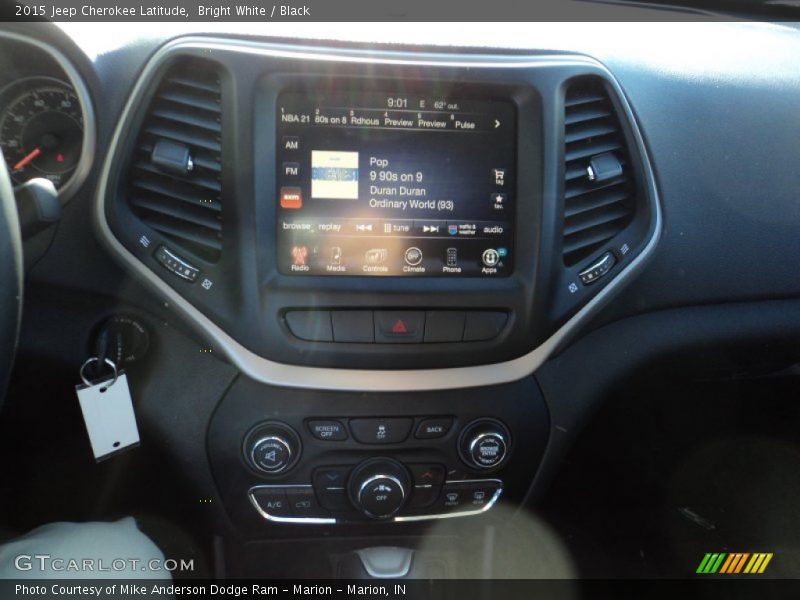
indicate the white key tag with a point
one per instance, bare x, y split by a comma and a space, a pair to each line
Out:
108, 412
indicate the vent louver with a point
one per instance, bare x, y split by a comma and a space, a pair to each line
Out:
182, 201
595, 208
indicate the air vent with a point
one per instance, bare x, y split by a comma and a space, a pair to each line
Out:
598, 185
175, 183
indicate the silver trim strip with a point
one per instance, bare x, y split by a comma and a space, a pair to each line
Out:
275, 373
89, 140
276, 519
402, 519
454, 514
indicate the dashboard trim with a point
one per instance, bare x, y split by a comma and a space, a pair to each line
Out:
89, 141
280, 374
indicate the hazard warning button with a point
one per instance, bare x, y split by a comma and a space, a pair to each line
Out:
399, 326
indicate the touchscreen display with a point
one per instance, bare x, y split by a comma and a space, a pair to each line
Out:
375, 184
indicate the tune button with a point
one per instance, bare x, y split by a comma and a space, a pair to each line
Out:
487, 449
484, 444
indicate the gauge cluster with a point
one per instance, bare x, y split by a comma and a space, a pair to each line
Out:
46, 128
41, 129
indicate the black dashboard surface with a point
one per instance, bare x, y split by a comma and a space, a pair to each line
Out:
725, 172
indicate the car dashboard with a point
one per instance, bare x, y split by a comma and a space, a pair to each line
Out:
365, 288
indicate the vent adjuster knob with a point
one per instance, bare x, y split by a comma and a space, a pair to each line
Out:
171, 156
603, 167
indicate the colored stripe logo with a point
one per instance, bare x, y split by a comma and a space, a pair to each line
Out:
733, 563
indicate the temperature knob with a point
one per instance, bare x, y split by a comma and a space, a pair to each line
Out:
378, 487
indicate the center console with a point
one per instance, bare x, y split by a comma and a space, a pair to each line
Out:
386, 245
341, 460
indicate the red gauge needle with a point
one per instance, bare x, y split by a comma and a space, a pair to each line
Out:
21, 164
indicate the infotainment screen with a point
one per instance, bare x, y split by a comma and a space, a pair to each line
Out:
378, 184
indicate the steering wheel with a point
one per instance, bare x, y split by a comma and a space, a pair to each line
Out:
10, 277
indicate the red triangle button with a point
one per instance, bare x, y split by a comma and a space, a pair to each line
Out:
399, 327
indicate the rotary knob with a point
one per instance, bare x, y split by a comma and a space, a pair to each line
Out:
484, 444
378, 487
272, 448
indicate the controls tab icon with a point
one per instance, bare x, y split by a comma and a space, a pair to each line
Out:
376, 256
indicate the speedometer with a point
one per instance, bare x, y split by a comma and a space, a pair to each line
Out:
41, 129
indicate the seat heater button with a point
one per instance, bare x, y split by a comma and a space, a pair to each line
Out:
380, 431
329, 431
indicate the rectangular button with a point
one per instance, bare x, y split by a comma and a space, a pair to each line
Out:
426, 474
310, 325
272, 501
291, 198
424, 496
330, 477
303, 502
353, 326
334, 499
466, 496
329, 485
429, 429
444, 326
380, 431
399, 327
481, 326
328, 430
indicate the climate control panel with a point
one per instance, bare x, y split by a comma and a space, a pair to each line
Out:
380, 487
303, 457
